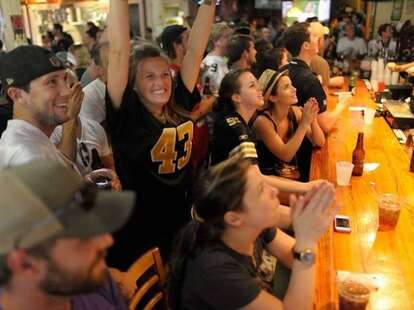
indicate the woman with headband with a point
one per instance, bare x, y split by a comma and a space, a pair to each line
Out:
218, 255
281, 126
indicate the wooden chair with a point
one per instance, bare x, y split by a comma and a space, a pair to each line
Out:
150, 260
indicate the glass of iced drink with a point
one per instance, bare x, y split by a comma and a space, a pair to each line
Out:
388, 211
352, 295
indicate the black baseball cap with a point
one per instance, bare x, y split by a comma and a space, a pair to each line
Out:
170, 34
26, 63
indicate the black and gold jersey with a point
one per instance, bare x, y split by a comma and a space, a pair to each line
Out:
232, 136
153, 159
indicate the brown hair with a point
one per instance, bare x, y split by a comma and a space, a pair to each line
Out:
174, 114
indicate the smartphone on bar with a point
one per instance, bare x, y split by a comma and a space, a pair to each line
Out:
342, 223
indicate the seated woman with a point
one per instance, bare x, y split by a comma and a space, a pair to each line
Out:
281, 127
240, 95
218, 255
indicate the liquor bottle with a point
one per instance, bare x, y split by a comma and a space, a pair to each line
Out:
207, 89
358, 156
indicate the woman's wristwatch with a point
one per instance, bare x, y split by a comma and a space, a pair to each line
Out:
307, 256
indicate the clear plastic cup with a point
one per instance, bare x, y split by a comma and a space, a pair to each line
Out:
102, 178
369, 115
343, 172
389, 209
352, 295
344, 95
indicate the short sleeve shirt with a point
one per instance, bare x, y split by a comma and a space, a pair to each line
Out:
232, 136
221, 278
22, 142
215, 67
93, 104
153, 159
306, 83
92, 136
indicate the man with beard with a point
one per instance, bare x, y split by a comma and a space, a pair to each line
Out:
35, 81
54, 234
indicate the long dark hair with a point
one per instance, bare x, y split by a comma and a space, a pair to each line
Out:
229, 86
218, 190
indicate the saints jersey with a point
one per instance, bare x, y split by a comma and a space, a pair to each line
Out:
232, 136
153, 159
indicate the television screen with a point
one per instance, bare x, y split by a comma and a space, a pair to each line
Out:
268, 4
300, 10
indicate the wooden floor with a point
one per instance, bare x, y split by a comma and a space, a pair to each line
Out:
387, 256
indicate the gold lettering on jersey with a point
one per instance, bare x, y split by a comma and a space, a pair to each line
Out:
184, 130
232, 121
164, 150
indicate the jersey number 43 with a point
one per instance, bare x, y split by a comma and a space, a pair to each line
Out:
164, 151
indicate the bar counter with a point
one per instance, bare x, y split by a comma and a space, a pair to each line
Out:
388, 256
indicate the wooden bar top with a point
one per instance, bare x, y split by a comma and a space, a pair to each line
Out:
389, 256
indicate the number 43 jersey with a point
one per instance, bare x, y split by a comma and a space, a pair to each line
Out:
149, 155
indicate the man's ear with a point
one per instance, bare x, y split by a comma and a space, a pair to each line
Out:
305, 45
16, 94
234, 219
19, 262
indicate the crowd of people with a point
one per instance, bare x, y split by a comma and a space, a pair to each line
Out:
208, 132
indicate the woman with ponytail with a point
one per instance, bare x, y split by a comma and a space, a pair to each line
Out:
218, 255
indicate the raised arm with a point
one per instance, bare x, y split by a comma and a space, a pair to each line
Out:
311, 215
119, 49
197, 43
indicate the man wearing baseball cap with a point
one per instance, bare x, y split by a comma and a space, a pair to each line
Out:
54, 233
318, 64
34, 80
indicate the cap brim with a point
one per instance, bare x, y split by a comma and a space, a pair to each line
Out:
110, 212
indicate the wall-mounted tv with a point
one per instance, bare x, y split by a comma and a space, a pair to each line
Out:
300, 10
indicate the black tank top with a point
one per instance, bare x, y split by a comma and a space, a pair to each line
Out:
269, 163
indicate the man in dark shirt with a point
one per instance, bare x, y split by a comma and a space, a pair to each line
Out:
302, 43
54, 234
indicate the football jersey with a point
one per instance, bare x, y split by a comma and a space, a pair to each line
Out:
153, 159
232, 136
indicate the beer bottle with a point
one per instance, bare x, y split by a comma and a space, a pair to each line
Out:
412, 162
358, 156
207, 89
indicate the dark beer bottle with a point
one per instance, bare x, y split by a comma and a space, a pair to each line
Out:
358, 156
412, 162
207, 89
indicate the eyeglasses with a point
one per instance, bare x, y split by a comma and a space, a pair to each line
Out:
83, 198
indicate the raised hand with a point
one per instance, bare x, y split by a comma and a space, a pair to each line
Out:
75, 101
310, 111
313, 213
